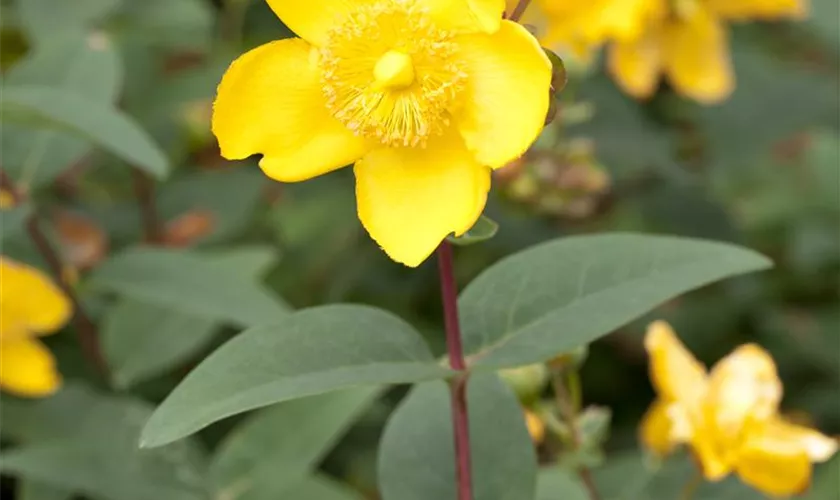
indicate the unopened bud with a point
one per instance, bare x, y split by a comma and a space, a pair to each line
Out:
526, 381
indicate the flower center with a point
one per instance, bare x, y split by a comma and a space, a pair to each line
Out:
390, 75
394, 70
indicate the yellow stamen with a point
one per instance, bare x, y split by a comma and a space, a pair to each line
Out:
394, 70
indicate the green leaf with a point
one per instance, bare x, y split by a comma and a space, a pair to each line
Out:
317, 488
105, 126
183, 25
140, 340
484, 229
228, 196
564, 293
33, 490
748, 122
627, 476
45, 19
96, 453
555, 483
190, 283
309, 352
417, 457
262, 459
88, 66
13, 220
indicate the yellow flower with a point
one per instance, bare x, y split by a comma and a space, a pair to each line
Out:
580, 27
535, 425
30, 305
687, 41
729, 417
425, 96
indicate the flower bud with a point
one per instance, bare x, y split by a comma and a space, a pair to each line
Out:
526, 381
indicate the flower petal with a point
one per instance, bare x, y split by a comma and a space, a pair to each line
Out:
696, 57
675, 373
744, 10
507, 94
27, 368
313, 19
466, 15
270, 102
635, 64
410, 199
32, 303
775, 460
656, 431
743, 387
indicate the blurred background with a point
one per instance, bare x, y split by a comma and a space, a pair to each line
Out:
761, 168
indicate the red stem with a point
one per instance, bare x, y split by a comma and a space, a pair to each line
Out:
519, 10
458, 386
85, 329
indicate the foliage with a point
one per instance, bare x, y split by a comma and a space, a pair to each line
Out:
258, 344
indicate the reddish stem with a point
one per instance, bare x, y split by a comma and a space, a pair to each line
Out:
519, 10
144, 189
85, 329
458, 386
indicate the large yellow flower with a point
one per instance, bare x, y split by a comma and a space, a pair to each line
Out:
729, 417
30, 305
687, 41
425, 96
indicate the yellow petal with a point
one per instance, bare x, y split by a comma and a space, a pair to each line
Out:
743, 10
743, 387
410, 199
27, 368
675, 373
635, 64
507, 95
696, 57
313, 19
817, 446
270, 102
535, 425
466, 15
656, 431
775, 459
31, 303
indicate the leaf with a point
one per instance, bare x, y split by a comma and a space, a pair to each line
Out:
559, 295
555, 483
417, 457
277, 447
231, 196
45, 19
89, 66
190, 283
33, 490
484, 229
309, 352
626, 476
96, 453
140, 340
107, 127
13, 220
748, 122
183, 25
317, 488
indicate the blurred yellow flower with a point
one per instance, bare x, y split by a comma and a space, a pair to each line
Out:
729, 417
535, 425
30, 305
425, 96
580, 27
687, 41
